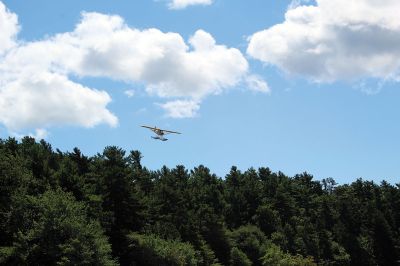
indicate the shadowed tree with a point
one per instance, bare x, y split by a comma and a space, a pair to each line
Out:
119, 197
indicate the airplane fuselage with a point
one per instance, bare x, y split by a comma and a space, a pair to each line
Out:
159, 132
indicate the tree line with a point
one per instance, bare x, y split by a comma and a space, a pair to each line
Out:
65, 208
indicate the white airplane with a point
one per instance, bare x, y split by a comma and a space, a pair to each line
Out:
160, 132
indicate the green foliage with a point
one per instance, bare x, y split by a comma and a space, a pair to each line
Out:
267, 219
251, 241
152, 250
6, 254
243, 196
238, 258
61, 208
13, 177
120, 199
207, 255
274, 256
54, 229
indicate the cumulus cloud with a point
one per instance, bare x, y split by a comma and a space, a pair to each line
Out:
257, 83
181, 4
36, 90
8, 28
103, 45
50, 99
206, 69
334, 39
181, 108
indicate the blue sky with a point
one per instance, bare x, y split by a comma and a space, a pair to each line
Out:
292, 85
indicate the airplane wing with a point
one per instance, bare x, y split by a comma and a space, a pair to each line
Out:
168, 131
163, 130
152, 128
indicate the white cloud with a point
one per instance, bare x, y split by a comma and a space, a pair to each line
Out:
130, 93
40, 133
36, 92
49, 100
297, 3
103, 45
370, 87
181, 4
181, 108
8, 28
257, 83
205, 70
334, 39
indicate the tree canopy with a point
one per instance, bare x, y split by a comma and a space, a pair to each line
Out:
65, 208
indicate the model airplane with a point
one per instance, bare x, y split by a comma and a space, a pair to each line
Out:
160, 132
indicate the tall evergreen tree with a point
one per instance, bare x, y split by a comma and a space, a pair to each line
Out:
119, 197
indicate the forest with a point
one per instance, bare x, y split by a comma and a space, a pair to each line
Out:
65, 208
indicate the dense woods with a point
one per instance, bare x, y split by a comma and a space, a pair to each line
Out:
64, 208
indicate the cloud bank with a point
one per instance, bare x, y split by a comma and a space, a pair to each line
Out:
334, 40
36, 90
